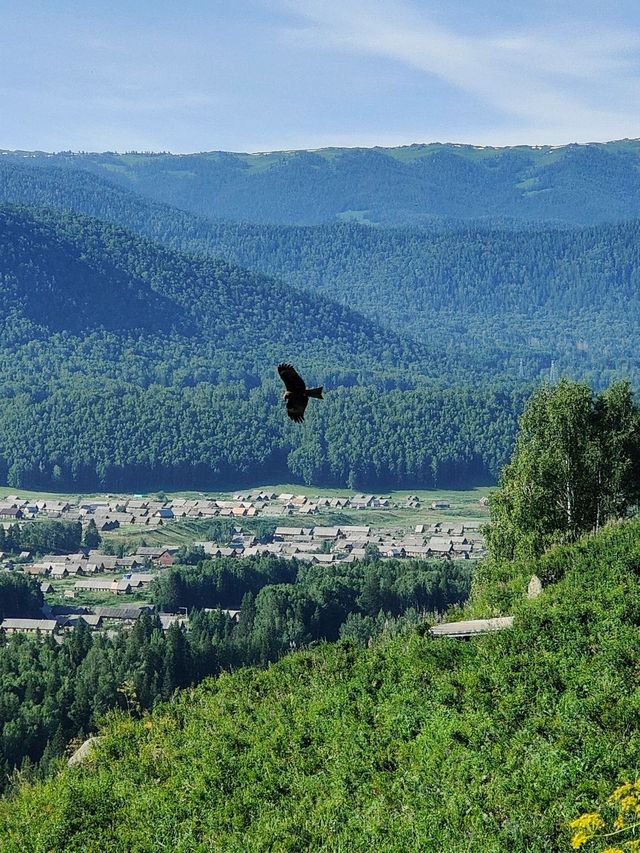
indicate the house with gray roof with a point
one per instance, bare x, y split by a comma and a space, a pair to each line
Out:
28, 626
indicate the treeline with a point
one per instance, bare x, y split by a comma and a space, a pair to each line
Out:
533, 294
51, 692
110, 436
412, 185
20, 596
284, 603
178, 388
45, 537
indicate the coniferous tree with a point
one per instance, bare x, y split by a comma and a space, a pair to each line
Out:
91, 537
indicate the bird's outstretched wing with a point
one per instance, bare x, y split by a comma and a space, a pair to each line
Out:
291, 378
296, 407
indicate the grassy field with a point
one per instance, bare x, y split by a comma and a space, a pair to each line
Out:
455, 496
87, 598
28, 494
94, 598
172, 533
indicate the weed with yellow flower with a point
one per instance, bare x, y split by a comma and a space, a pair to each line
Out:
620, 819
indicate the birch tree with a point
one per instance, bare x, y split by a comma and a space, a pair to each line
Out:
574, 467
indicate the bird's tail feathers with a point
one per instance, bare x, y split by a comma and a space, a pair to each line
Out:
315, 392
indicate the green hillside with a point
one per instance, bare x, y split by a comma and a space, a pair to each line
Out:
413, 744
130, 364
413, 185
68, 273
528, 295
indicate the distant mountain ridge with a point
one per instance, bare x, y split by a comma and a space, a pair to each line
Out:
510, 298
130, 363
410, 185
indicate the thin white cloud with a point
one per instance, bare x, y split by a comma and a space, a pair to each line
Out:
564, 81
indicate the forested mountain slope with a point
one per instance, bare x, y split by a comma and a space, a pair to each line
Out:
410, 185
540, 294
71, 273
126, 364
507, 301
413, 744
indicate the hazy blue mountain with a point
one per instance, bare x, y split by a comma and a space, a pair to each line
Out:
414, 184
510, 299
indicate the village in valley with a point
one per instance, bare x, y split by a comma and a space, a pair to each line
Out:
136, 544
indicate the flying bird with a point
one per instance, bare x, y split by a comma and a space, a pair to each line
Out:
297, 394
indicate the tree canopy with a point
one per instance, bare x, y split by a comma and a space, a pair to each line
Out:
576, 465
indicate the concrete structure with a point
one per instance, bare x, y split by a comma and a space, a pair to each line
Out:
472, 627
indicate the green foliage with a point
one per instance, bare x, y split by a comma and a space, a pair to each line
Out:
44, 537
413, 744
189, 355
91, 538
52, 693
178, 387
20, 596
576, 465
190, 555
219, 583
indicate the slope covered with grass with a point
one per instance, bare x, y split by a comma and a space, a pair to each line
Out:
413, 744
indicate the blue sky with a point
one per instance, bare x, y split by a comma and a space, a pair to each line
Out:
252, 75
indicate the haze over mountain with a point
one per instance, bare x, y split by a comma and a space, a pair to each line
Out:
125, 363
414, 184
93, 313
505, 300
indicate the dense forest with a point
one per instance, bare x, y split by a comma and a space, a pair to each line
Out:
51, 693
48, 537
531, 295
504, 302
20, 595
413, 743
415, 184
130, 365
119, 437
140, 344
